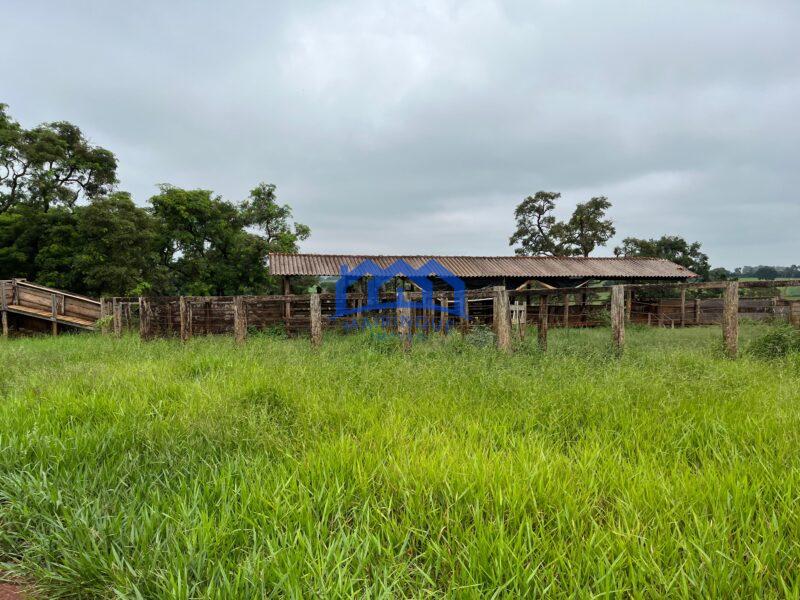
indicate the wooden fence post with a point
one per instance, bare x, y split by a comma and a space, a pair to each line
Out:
144, 318
239, 320
403, 320
543, 310
618, 317
3, 308
794, 313
628, 305
116, 312
185, 310
697, 304
566, 310
54, 313
502, 318
103, 315
315, 309
730, 318
683, 306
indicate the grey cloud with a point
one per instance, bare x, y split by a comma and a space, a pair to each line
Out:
417, 126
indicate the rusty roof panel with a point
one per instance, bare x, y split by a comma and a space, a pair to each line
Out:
530, 267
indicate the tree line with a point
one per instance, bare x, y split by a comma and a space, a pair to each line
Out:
63, 224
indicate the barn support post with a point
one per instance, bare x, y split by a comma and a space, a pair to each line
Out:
465, 316
584, 309
239, 320
543, 310
522, 317
315, 310
683, 306
618, 318
501, 318
403, 320
697, 305
287, 304
566, 310
116, 317
730, 318
185, 310
362, 291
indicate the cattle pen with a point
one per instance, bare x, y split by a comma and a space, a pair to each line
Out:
508, 313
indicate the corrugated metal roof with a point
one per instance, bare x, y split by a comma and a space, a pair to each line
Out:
531, 267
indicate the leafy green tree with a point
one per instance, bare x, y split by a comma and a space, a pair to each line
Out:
539, 233
118, 253
535, 222
21, 229
587, 228
52, 164
262, 211
670, 247
204, 243
719, 274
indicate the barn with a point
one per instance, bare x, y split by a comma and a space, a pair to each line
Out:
477, 272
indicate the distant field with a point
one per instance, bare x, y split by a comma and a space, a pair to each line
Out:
210, 471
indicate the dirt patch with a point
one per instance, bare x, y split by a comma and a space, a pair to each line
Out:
10, 591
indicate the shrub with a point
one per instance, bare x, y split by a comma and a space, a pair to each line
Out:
777, 342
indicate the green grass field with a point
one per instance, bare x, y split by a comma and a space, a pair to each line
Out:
207, 470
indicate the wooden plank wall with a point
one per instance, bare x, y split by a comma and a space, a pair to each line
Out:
25, 303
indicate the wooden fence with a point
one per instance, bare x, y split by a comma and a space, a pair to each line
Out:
39, 308
501, 309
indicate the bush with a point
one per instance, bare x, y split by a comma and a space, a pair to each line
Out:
777, 342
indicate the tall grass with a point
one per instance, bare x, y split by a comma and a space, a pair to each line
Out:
206, 470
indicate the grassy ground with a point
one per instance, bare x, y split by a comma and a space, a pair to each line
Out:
209, 471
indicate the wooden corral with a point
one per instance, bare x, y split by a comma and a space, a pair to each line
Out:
504, 310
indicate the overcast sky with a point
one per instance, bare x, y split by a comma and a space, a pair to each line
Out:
416, 127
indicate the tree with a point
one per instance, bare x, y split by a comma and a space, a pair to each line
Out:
262, 211
587, 228
50, 164
204, 244
118, 251
670, 247
535, 222
539, 233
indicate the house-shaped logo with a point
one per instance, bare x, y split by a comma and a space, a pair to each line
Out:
421, 277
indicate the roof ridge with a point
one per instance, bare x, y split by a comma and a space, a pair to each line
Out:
512, 256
